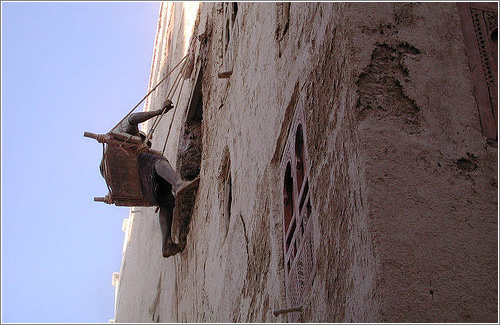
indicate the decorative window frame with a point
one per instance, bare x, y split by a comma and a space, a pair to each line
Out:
298, 238
230, 35
479, 24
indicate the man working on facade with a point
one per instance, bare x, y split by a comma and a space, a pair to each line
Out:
160, 183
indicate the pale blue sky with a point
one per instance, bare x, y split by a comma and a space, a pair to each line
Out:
66, 68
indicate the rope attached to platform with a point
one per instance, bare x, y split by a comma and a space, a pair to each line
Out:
178, 80
149, 93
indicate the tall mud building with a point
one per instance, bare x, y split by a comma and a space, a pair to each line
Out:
347, 155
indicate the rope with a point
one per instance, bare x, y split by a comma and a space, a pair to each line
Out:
171, 92
158, 84
101, 138
159, 117
173, 116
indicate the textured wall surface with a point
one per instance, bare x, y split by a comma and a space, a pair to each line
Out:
402, 182
432, 190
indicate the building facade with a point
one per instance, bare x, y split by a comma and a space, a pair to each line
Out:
347, 155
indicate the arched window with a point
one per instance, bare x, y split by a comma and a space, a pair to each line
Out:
297, 226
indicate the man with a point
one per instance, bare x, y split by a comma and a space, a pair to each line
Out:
160, 183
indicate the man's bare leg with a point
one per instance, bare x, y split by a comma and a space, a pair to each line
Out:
166, 171
168, 247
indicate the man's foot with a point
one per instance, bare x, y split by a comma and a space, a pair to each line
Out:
186, 185
171, 249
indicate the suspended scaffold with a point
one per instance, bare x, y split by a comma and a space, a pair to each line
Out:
119, 166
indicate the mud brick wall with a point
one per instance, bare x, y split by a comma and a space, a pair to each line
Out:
402, 181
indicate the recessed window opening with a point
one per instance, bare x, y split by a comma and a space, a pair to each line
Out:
288, 196
228, 196
228, 37
190, 148
198, 112
235, 12
225, 194
195, 113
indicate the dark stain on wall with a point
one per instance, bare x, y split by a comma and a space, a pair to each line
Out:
380, 85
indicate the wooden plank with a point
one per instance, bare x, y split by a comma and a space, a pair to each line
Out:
126, 137
481, 91
488, 6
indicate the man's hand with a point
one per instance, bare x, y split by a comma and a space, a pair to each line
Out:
167, 105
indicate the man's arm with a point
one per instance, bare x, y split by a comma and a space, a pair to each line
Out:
137, 118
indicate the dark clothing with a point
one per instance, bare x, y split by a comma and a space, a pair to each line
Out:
154, 188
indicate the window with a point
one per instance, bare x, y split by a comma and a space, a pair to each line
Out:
226, 191
228, 196
230, 38
190, 144
297, 237
480, 30
282, 24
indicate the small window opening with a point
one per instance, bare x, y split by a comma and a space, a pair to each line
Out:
235, 12
288, 196
228, 37
228, 196
227, 204
225, 192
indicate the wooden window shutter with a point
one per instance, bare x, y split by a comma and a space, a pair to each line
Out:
480, 29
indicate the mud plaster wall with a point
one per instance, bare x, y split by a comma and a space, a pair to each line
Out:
249, 114
430, 175
403, 190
